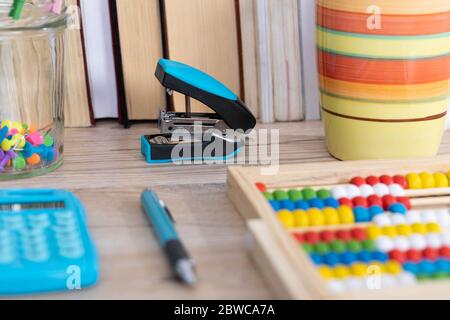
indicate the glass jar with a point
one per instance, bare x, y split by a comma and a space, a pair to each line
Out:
32, 85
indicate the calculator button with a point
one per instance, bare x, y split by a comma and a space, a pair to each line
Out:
13, 222
37, 256
72, 253
64, 215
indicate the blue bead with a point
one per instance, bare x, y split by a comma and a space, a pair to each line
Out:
411, 267
302, 205
398, 208
361, 214
443, 265
427, 268
365, 256
317, 259
316, 203
331, 259
275, 205
331, 202
348, 258
374, 211
380, 256
287, 204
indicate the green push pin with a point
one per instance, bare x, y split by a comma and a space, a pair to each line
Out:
19, 163
16, 9
48, 140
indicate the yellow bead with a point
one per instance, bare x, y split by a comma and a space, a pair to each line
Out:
346, 215
7, 145
414, 181
316, 217
419, 228
359, 270
374, 232
341, 272
6, 123
440, 180
393, 267
326, 272
378, 266
390, 231
331, 216
301, 219
287, 218
434, 228
404, 230
427, 180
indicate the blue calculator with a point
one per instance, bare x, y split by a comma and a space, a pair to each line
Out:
45, 245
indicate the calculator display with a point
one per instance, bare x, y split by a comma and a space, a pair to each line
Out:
32, 206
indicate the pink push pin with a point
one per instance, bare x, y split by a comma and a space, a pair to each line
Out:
57, 6
35, 138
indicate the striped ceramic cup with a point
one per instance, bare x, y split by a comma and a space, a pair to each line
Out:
384, 70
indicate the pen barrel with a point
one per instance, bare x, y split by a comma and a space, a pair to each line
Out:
175, 252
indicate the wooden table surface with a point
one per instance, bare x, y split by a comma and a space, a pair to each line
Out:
104, 168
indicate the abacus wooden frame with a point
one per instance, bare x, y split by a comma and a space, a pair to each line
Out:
288, 269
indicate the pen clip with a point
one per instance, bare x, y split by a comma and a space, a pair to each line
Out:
167, 210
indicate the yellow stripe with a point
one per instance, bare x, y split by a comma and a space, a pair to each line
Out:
379, 110
377, 92
383, 47
389, 6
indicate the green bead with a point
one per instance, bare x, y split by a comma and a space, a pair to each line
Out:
369, 245
268, 196
338, 246
354, 246
309, 194
19, 163
295, 195
280, 195
48, 140
422, 277
308, 248
440, 275
322, 248
324, 194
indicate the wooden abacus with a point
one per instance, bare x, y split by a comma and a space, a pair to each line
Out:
288, 268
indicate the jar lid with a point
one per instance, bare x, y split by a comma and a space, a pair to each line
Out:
31, 14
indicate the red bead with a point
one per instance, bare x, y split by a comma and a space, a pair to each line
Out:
414, 255
374, 200
344, 235
444, 252
387, 180
299, 237
388, 200
311, 237
328, 236
398, 256
346, 202
358, 181
401, 180
431, 254
372, 180
359, 234
405, 201
261, 186
360, 202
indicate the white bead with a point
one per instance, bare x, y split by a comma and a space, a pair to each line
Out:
388, 281
443, 217
445, 237
418, 242
354, 284
402, 243
336, 286
396, 190
385, 244
339, 192
406, 279
428, 216
382, 220
398, 219
366, 190
434, 240
413, 216
352, 191
381, 189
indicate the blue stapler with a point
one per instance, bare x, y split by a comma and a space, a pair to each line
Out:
197, 136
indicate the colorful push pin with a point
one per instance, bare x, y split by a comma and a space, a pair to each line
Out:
16, 9
19, 163
7, 156
35, 138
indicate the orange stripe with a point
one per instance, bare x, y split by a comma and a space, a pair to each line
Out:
383, 71
395, 25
